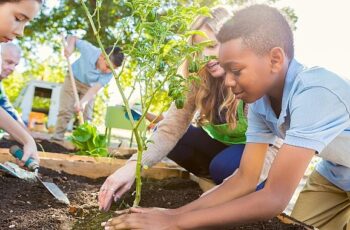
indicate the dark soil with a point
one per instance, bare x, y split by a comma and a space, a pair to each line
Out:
42, 145
29, 206
25, 205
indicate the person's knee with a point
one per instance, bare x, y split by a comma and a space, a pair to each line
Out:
225, 163
218, 171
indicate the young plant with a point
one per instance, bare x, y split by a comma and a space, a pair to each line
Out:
89, 142
159, 45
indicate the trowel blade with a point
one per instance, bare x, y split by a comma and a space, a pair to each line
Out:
55, 191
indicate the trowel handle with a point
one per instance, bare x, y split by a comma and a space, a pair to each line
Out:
17, 152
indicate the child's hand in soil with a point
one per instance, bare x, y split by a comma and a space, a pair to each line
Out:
116, 185
140, 218
152, 210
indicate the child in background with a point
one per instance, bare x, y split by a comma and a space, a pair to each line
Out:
91, 73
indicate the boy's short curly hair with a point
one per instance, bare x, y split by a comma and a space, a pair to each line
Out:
115, 55
261, 28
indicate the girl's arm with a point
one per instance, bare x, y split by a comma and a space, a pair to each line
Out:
22, 136
169, 131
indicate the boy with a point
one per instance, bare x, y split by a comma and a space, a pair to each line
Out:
308, 108
91, 73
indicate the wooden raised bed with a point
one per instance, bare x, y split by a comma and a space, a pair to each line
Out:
95, 167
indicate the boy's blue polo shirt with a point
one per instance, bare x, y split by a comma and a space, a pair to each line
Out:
315, 114
84, 69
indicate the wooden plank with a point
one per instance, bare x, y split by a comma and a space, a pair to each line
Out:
290, 220
204, 183
94, 168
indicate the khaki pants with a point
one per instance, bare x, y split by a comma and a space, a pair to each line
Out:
323, 205
66, 110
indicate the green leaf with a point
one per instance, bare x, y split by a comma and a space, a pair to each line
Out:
196, 32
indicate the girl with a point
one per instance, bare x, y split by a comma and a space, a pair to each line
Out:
14, 15
213, 149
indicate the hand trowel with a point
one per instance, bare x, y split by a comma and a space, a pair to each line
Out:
34, 166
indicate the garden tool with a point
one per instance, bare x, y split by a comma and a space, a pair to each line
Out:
33, 165
74, 87
16, 171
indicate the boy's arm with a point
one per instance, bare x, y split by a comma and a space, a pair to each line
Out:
85, 48
14, 129
247, 176
90, 94
305, 136
234, 202
286, 172
70, 47
242, 183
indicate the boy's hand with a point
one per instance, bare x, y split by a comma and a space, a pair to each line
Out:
69, 48
137, 219
68, 51
79, 106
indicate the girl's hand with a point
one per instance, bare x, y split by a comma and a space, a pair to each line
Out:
116, 185
29, 150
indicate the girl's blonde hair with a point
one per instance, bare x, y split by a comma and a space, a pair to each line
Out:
211, 97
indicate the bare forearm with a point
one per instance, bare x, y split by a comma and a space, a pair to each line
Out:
71, 40
91, 93
243, 182
14, 128
253, 207
233, 188
154, 118
285, 174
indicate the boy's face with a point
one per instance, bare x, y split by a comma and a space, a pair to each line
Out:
248, 74
14, 16
102, 65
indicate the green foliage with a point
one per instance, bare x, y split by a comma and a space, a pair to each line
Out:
89, 142
118, 24
159, 45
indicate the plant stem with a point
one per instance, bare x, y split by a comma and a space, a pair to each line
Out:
126, 103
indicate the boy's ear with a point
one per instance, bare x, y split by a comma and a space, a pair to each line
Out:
277, 57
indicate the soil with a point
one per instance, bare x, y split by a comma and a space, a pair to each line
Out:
42, 145
25, 205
